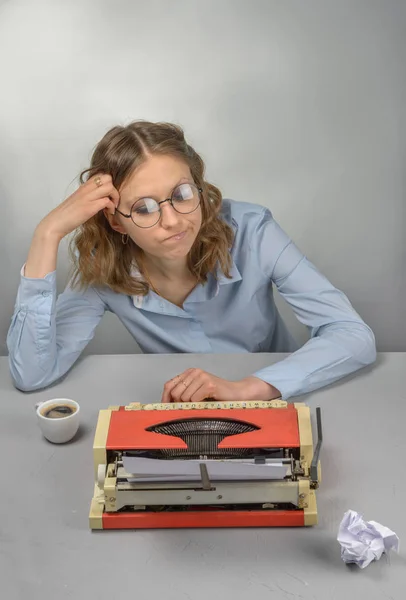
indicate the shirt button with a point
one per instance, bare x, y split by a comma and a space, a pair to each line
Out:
46, 294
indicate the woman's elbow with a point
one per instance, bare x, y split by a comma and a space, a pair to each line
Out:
25, 387
25, 384
364, 349
26, 381
355, 339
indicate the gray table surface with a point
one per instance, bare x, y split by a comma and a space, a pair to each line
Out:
47, 550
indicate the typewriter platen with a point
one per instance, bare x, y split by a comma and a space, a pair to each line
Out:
235, 434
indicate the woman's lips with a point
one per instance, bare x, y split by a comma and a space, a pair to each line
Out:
176, 237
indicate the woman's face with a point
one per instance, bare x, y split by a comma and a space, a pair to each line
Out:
173, 235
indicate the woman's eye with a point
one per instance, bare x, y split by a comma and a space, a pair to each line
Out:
145, 207
183, 192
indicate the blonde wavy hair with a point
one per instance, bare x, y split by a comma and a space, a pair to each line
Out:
99, 257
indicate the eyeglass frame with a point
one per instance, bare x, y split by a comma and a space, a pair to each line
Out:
170, 200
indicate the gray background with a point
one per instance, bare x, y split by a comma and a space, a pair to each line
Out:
295, 105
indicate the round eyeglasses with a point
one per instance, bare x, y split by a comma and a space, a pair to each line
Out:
146, 212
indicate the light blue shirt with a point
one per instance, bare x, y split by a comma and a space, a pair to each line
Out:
48, 333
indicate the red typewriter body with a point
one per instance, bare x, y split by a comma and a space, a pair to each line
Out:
267, 427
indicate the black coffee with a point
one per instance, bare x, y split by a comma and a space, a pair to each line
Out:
58, 411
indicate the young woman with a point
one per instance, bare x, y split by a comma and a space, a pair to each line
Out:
184, 270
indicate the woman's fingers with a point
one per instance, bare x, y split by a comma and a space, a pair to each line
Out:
168, 387
172, 385
94, 191
184, 391
193, 385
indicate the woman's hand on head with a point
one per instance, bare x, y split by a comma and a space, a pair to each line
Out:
195, 385
91, 197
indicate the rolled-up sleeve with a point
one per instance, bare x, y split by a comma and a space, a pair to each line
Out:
48, 333
340, 341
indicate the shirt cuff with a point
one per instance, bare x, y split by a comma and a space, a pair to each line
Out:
36, 293
283, 381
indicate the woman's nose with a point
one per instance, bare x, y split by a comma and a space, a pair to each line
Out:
169, 216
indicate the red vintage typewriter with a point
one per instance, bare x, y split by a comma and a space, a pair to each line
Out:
209, 464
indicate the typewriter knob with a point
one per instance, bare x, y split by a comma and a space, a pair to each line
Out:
101, 476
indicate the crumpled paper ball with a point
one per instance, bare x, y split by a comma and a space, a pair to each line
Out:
364, 541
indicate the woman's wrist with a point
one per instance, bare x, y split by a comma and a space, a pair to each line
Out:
44, 233
42, 254
253, 388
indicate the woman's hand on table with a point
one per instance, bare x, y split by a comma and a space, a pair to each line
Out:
195, 385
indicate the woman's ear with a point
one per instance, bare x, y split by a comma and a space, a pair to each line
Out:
113, 222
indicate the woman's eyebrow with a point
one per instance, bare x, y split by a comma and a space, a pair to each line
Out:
130, 202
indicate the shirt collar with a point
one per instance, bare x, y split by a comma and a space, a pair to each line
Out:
235, 275
154, 303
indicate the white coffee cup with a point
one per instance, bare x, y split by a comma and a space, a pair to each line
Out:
59, 430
